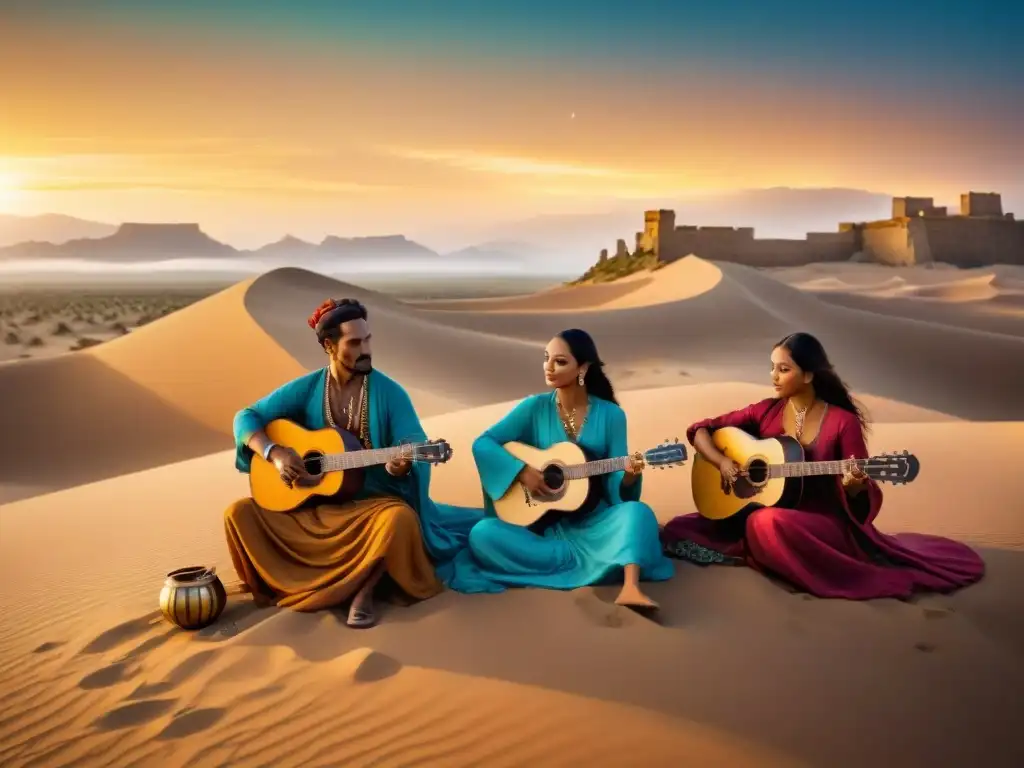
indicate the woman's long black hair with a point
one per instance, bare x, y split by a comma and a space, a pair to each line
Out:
809, 355
584, 350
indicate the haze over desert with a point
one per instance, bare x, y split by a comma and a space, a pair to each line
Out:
93, 675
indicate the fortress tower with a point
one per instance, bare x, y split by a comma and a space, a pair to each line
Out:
904, 207
657, 224
981, 204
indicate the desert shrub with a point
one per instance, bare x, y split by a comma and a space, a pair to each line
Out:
615, 267
85, 342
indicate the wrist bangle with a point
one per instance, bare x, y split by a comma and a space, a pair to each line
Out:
267, 449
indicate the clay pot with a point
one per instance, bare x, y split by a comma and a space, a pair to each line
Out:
192, 598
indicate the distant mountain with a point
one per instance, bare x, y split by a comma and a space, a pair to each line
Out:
287, 246
379, 246
508, 252
49, 228
131, 242
157, 242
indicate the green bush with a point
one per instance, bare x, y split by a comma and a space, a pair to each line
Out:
615, 267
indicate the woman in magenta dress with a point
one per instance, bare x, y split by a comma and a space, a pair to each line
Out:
828, 545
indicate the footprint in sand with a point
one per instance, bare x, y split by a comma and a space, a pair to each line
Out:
376, 666
137, 713
104, 678
191, 721
50, 646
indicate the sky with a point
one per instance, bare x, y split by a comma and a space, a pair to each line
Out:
437, 119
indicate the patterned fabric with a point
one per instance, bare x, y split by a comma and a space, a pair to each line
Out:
693, 552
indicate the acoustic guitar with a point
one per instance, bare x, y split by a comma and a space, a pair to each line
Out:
572, 476
335, 461
773, 470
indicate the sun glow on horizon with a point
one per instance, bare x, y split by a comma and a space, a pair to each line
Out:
10, 189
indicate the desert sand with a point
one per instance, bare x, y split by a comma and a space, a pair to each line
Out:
120, 468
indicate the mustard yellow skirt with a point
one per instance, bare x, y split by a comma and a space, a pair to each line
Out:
318, 558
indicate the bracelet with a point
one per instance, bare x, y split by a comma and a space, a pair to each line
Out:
267, 449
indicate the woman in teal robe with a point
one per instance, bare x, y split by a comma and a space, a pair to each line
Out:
618, 540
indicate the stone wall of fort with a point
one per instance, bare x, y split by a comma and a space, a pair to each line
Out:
891, 242
738, 244
919, 232
974, 242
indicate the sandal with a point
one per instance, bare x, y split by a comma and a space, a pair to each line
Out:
361, 619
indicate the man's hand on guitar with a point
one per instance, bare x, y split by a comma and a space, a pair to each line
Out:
288, 463
534, 482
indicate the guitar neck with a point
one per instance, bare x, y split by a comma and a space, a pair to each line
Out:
810, 468
599, 467
334, 462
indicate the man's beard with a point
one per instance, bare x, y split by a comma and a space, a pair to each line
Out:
363, 364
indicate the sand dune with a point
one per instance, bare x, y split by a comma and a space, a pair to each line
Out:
727, 332
116, 678
361, 708
989, 299
678, 281
168, 391
132, 438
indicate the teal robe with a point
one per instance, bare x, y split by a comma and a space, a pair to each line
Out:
573, 551
392, 420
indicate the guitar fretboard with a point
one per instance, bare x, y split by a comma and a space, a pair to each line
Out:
334, 462
808, 468
599, 467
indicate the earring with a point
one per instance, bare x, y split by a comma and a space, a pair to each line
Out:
580, 378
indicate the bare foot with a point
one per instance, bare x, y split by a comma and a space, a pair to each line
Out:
361, 613
632, 597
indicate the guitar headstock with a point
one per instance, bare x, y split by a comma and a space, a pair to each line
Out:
430, 452
898, 468
668, 454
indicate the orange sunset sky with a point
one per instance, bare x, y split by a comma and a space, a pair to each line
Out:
261, 125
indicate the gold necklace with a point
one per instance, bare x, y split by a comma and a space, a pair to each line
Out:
798, 420
568, 422
350, 411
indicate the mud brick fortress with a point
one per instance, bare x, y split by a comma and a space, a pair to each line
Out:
918, 233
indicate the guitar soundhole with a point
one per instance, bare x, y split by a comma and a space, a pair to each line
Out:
313, 461
554, 477
757, 472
